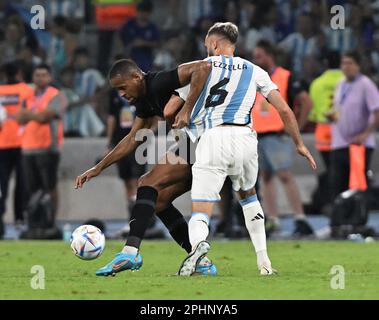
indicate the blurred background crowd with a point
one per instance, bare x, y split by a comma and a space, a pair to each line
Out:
66, 64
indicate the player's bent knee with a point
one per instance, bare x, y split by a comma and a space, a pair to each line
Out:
154, 181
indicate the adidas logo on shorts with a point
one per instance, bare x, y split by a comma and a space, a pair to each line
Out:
257, 217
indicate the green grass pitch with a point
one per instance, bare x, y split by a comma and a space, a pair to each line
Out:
304, 272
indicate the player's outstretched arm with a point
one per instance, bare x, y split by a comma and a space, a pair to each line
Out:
196, 73
123, 148
291, 126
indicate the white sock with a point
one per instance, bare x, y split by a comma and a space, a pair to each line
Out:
255, 224
198, 228
130, 250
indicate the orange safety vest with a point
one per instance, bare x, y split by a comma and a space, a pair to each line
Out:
264, 115
357, 176
113, 16
323, 137
12, 97
39, 135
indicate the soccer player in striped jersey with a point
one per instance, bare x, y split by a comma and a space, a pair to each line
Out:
228, 145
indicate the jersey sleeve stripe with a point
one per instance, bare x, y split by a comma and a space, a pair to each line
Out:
208, 111
200, 100
239, 94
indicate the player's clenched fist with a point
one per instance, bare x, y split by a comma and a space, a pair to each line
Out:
181, 119
86, 176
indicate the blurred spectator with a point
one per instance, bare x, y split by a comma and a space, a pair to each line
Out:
312, 68
197, 9
289, 11
172, 19
140, 36
200, 32
6, 10
301, 43
275, 147
88, 82
13, 95
80, 118
187, 47
231, 12
14, 41
345, 39
110, 16
247, 10
374, 6
61, 46
355, 118
167, 56
72, 10
261, 27
28, 61
375, 53
42, 137
322, 94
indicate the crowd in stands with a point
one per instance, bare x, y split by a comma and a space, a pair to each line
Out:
82, 38
301, 30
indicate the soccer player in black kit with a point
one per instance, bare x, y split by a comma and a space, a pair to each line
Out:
158, 188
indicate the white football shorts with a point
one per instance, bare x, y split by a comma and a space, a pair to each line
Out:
224, 151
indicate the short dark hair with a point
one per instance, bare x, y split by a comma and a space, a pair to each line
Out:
333, 59
43, 66
267, 46
124, 67
353, 55
11, 69
226, 29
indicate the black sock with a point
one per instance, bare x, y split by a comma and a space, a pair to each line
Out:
176, 225
130, 206
142, 213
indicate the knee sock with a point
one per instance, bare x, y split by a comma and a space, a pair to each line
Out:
254, 221
198, 228
142, 213
176, 225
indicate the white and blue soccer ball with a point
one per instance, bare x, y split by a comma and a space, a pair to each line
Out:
87, 242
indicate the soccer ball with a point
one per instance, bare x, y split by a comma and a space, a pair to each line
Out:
87, 242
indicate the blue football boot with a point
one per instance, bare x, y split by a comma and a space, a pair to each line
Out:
121, 262
205, 268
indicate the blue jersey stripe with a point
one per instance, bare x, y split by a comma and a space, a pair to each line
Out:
208, 111
223, 87
239, 94
200, 100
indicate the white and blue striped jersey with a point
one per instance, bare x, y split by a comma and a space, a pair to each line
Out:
228, 95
